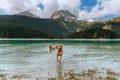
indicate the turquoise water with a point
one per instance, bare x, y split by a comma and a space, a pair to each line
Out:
32, 57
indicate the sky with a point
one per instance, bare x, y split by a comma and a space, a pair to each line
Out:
89, 10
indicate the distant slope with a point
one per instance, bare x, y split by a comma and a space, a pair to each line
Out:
27, 13
116, 19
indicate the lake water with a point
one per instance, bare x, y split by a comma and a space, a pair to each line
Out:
32, 57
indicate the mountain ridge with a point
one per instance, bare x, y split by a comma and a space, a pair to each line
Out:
59, 28
26, 13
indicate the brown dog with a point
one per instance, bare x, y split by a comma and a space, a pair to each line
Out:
51, 48
59, 53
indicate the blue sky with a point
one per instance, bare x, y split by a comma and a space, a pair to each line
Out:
84, 4
2, 12
41, 6
83, 9
88, 4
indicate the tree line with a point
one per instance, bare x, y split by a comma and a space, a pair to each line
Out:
94, 33
21, 31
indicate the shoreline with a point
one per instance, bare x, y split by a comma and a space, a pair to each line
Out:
89, 74
59, 39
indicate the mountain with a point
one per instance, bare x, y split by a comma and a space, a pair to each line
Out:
116, 19
45, 25
63, 14
58, 28
27, 13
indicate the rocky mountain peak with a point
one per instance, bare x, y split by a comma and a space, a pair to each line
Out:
63, 14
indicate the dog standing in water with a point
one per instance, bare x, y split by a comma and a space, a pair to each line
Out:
51, 48
59, 53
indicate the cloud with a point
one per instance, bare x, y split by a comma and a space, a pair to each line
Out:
50, 6
71, 5
102, 8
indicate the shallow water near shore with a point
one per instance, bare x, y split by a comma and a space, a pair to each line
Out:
33, 59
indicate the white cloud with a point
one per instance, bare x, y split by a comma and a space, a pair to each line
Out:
111, 6
50, 6
71, 5
102, 8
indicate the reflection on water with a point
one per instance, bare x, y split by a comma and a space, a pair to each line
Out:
33, 58
59, 72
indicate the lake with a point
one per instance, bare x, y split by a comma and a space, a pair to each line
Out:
32, 57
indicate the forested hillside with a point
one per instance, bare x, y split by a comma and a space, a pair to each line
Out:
21, 31
59, 28
45, 25
94, 33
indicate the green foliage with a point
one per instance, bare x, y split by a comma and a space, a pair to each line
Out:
94, 33
57, 28
45, 25
21, 31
